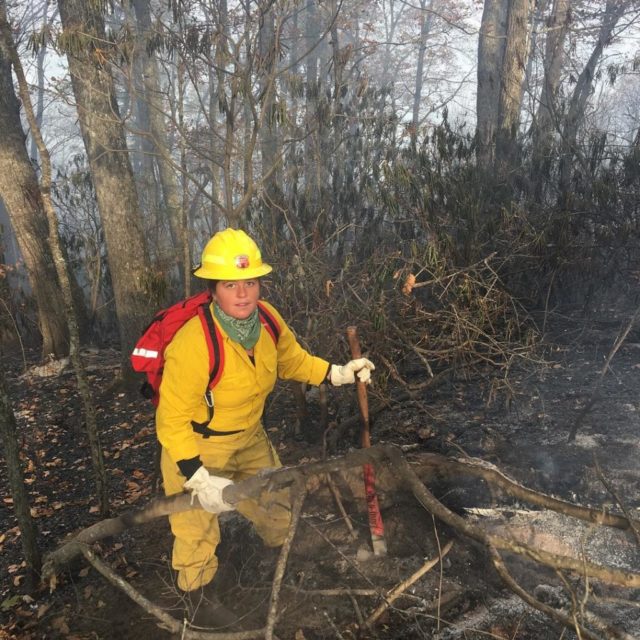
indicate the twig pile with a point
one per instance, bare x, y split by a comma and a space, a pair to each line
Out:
420, 317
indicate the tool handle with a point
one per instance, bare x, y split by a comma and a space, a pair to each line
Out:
376, 526
361, 388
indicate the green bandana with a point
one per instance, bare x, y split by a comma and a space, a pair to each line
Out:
246, 331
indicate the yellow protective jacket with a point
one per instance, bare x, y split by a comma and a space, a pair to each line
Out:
241, 392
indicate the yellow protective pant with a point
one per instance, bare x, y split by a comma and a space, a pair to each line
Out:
197, 533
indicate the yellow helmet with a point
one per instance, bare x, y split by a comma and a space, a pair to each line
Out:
231, 255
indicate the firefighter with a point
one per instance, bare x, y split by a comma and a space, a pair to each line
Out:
203, 451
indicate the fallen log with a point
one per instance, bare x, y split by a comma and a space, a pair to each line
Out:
252, 487
453, 467
377, 454
555, 561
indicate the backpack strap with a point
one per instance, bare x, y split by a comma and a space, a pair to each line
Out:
213, 338
214, 344
269, 322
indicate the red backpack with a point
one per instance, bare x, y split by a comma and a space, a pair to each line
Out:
148, 355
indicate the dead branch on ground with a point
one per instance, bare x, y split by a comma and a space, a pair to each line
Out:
560, 617
453, 467
303, 475
252, 487
165, 621
434, 506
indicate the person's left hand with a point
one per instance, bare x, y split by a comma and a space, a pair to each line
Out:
346, 374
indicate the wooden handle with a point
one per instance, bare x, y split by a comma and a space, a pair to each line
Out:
361, 387
376, 526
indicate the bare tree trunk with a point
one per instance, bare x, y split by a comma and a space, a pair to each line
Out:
184, 193
104, 139
491, 46
142, 147
9, 437
339, 58
218, 104
513, 70
613, 11
215, 104
242, 169
313, 124
40, 57
426, 21
392, 14
181, 75
141, 144
267, 55
61, 268
20, 193
547, 117
537, 19
293, 89
230, 85
160, 145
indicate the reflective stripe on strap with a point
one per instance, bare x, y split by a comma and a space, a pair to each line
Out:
145, 353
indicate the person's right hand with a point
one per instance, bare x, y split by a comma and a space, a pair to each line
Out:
208, 490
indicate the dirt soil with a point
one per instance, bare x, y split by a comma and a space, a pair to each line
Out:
523, 432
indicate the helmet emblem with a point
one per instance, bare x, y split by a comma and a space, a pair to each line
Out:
242, 261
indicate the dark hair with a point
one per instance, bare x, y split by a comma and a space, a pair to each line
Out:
211, 285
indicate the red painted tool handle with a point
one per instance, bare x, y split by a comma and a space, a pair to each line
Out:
376, 527
373, 508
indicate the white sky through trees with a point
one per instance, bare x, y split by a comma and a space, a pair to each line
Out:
449, 74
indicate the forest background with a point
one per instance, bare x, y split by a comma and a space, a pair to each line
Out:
446, 175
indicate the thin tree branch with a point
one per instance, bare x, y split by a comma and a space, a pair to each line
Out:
434, 506
398, 590
595, 395
454, 467
611, 489
300, 493
536, 604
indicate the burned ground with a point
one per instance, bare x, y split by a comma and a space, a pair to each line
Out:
522, 432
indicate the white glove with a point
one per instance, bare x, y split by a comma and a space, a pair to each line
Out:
208, 490
345, 374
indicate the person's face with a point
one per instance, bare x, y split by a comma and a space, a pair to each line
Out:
237, 298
